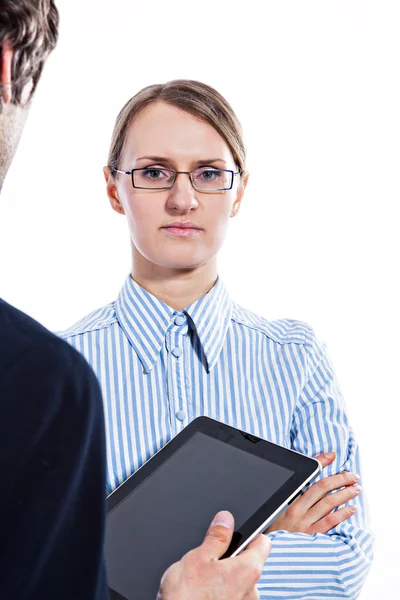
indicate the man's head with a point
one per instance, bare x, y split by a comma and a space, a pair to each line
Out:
28, 33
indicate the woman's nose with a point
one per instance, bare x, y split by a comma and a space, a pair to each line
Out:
182, 196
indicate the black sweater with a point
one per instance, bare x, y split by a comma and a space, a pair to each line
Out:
52, 467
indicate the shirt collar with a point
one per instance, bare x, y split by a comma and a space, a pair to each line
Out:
145, 320
210, 316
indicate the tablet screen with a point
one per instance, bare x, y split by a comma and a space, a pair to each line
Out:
170, 511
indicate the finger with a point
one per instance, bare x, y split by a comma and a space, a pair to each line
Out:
326, 459
251, 561
332, 501
320, 489
257, 552
254, 595
333, 519
218, 536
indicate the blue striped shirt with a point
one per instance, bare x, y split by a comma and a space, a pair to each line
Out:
160, 368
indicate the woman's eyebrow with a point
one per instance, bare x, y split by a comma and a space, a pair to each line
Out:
208, 161
158, 159
165, 160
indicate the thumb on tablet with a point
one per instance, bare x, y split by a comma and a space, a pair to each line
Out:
219, 535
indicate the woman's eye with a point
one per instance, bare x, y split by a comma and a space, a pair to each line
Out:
210, 174
154, 173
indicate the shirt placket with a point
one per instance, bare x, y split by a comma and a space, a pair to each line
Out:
177, 386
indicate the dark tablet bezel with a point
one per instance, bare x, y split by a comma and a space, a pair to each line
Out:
304, 467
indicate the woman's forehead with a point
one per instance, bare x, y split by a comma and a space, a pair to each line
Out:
161, 129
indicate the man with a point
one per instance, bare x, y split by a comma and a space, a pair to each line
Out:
52, 456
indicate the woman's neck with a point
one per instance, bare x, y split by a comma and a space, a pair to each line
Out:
176, 288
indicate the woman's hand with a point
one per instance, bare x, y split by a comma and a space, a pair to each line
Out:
312, 512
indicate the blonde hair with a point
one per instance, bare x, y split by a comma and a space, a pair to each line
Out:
195, 98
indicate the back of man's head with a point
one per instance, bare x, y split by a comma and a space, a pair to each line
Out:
30, 27
28, 33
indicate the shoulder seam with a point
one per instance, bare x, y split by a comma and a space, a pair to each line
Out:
69, 333
286, 339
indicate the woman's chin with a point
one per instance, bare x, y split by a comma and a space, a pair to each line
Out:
182, 266
183, 259
182, 263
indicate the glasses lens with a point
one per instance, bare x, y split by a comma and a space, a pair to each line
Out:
153, 179
210, 179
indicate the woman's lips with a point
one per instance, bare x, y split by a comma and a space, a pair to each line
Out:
182, 229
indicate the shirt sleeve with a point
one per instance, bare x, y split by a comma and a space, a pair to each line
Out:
53, 467
332, 565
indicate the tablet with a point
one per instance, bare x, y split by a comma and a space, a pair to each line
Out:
165, 508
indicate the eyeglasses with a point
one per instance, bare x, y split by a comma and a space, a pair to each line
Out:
203, 179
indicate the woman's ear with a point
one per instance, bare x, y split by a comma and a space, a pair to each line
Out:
112, 191
240, 193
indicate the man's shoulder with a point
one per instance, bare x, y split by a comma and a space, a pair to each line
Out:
21, 336
281, 331
98, 319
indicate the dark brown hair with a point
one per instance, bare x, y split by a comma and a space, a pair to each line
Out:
31, 28
198, 99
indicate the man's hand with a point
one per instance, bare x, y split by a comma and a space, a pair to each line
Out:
312, 512
199, 575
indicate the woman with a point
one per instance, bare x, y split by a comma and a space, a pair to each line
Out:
173, 346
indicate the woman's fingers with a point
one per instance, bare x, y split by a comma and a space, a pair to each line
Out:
326, 459
320, 489
314, 511
332, 520
332, 501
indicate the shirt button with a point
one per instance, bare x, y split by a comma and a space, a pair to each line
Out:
179, 320
180, 415
177, 352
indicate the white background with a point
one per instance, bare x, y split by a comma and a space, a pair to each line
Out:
316, 85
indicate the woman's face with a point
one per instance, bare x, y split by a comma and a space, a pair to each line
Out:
178, 228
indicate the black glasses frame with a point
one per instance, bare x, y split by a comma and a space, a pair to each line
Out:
175, 173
